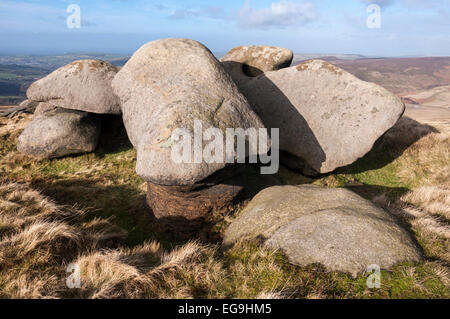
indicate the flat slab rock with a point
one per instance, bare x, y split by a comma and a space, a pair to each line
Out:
332, 227
83, 85
57, 132
326, 116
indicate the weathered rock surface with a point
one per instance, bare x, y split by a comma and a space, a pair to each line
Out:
169, 84
326, 116
260, 59
250, 61
190, 203
44, 108
83, 85
59, 132
333, 227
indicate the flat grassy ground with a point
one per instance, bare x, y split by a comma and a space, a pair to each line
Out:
90, 210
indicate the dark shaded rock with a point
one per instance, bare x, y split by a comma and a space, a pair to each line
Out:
219, 191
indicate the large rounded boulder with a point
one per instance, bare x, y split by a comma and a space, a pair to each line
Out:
170, 84
83, 85
327, 117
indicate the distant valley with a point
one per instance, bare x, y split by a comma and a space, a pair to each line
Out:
422, 83
419, 81
18, 72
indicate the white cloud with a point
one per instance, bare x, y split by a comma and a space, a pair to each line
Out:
283, 13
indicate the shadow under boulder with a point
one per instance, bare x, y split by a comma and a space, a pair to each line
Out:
390, 146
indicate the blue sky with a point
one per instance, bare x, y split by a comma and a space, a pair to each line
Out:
408, 27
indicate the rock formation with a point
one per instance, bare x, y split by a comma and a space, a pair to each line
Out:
83, 85
59, 132
250, 61
171, 84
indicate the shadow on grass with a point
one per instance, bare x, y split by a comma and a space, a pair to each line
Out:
124, 204
390, 146
370, 191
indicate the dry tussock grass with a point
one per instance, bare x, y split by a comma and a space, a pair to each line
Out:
424, 150
427, 211
36, 236
38, 239
424, 164
148, 271
433, 199
432, 231
14, 126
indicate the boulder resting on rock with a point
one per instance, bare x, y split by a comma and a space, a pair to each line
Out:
83, 85
170, 85
250, 61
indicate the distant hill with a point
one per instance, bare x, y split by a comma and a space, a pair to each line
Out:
299, 57
52, 62
18, 72
400, 75
403, 76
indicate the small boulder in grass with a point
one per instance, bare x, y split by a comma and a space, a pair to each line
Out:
83, 85
329, 226
58, 132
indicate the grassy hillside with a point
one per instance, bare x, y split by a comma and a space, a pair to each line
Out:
91, 210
